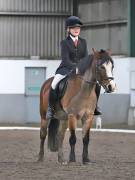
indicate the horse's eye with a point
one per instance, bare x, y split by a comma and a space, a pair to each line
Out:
102, 67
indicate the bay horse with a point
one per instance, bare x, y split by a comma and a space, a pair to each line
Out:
78, 103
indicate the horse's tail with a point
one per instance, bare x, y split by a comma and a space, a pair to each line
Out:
53, 135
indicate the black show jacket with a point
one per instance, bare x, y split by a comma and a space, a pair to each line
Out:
72, 56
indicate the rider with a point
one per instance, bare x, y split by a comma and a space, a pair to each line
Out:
73, 50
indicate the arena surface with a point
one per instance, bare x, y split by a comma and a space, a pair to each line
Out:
113, 156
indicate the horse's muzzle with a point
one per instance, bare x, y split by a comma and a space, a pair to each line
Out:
108, 89
111, 87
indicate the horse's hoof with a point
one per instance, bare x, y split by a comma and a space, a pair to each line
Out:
40, 159
88, 162
64, 163
72, 161
72, 157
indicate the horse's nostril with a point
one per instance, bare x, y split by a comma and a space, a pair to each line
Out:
110, 88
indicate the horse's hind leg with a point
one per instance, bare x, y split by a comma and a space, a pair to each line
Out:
43, 133
87, 123
72, 139
61, 135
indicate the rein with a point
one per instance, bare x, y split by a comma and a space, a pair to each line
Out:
94, 82
89, 82
96, 72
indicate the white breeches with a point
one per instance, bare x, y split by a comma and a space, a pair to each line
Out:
57, 79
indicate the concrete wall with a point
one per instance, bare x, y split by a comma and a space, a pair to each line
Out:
16, 107
12, 73
114, 108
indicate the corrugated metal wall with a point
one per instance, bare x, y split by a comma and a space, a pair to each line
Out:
36, 27
32, 27
105, 24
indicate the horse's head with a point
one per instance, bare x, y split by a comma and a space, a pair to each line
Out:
104, 70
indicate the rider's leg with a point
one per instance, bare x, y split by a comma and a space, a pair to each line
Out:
53, 96
97, 90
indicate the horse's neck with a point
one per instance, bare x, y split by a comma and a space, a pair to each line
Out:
90, 75
89, 80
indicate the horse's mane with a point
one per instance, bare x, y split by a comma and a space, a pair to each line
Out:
85, 63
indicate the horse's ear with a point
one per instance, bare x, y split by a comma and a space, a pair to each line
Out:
109, 52
95, 55
94, 50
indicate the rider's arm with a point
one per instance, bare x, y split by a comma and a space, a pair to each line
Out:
65, 55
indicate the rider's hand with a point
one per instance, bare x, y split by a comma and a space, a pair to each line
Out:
73, 71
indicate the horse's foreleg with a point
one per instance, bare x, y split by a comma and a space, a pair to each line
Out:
43, 133
86, 133
85, 156
61, 135
72, 139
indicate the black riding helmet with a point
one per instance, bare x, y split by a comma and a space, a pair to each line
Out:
73, 21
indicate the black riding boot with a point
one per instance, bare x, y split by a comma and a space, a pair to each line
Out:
51, 104
97, 90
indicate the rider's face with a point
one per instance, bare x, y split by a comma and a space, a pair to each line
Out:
75, 31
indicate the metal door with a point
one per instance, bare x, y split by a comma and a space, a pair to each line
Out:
34, 78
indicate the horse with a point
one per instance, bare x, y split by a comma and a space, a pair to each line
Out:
77, 103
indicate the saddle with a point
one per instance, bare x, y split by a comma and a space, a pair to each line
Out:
60, 91
61, 88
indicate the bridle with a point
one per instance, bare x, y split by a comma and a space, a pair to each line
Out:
96, 81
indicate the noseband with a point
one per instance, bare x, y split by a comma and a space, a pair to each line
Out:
108, 78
